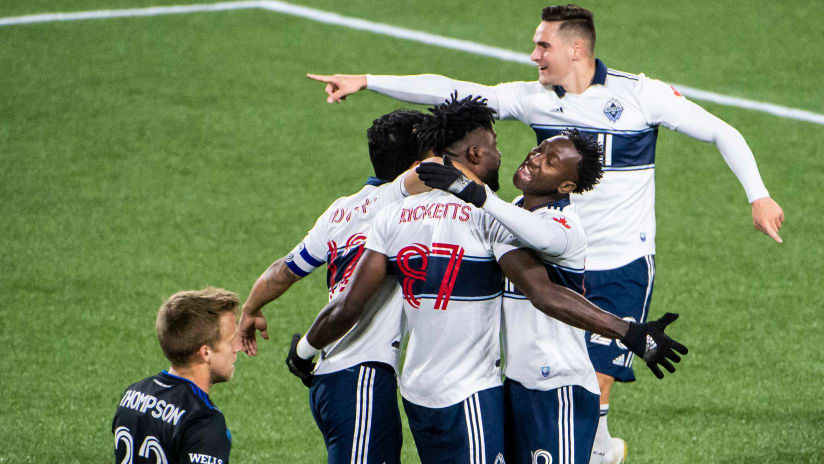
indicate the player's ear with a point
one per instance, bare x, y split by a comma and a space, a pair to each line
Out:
473, 155
567, 186
203, 354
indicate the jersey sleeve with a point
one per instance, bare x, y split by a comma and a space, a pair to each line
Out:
509, 100
540, 234
498, 239
206, 439
310, 253
660, 103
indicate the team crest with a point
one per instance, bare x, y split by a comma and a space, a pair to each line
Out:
545, 371
613, 110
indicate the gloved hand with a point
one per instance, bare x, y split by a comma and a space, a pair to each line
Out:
448, 178
649, 342
301, 368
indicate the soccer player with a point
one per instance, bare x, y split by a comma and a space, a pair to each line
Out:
169, 417
624, 111
353, 392
550, 392
448, 256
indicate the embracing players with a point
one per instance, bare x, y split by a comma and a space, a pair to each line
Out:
450, 258
624, 111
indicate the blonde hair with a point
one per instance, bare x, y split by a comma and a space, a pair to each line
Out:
191, 319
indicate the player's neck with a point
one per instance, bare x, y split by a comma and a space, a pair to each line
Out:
580, 76
533, 201
197, 373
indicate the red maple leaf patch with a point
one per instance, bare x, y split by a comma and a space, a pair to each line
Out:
677, 94
562, 221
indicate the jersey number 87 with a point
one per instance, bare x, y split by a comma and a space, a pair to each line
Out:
411, 274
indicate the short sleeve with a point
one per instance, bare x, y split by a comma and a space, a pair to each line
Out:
206, 439
310, 253
661, 103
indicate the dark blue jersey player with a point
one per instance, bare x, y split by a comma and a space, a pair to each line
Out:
168, 418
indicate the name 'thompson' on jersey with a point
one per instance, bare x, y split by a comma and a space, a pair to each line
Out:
444, 254
168, 419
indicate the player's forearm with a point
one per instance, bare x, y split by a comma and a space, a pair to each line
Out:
702, 125
332, 323
428, 89
269, 286
573, 309
527, 227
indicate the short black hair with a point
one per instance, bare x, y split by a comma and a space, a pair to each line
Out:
393, 145
590, 169
572, 18
453, 120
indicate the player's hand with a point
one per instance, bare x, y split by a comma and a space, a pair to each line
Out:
448, 178
648, 341
339, 86
299, 367
247, 329
767, 217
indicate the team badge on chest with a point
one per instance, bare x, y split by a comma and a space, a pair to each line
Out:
613, 110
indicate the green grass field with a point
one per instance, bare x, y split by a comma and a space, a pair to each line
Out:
141, 156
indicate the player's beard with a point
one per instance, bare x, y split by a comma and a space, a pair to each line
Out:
491, 180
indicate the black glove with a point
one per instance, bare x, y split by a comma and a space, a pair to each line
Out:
648, 341
448, 178
301, 368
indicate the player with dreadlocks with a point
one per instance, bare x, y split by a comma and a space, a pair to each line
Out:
551, 391
450, 258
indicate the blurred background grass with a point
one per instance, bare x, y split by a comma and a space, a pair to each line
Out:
141, 156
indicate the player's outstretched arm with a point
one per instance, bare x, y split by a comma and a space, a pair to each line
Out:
768, 217
269, 286
646, 340
339, 86
337, 317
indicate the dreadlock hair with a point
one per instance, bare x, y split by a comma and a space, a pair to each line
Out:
393, 145
453, 120
574, 19
590, 169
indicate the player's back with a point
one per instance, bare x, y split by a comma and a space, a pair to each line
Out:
168, 419
444, 254
338, 239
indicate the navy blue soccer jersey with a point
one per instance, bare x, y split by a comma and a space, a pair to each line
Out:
168, 419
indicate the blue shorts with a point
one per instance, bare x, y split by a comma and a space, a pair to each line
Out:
470, 432
546, 427
356, 409
625, 292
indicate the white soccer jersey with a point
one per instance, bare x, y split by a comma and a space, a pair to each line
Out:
337, 239
543, 353
444, 253
623, 111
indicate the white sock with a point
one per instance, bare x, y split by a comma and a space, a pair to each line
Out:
602, 447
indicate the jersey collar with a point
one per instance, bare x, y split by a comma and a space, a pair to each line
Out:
372, 180
600, 78
195, 389
559, 204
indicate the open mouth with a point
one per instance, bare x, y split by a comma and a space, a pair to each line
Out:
524, 174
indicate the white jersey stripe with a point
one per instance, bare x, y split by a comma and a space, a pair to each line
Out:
469, 431
571, 433
365, 455
480, 427
560, 426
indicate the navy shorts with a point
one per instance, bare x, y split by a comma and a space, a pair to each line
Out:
549, 427
470, 432
625, 292
356, 409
